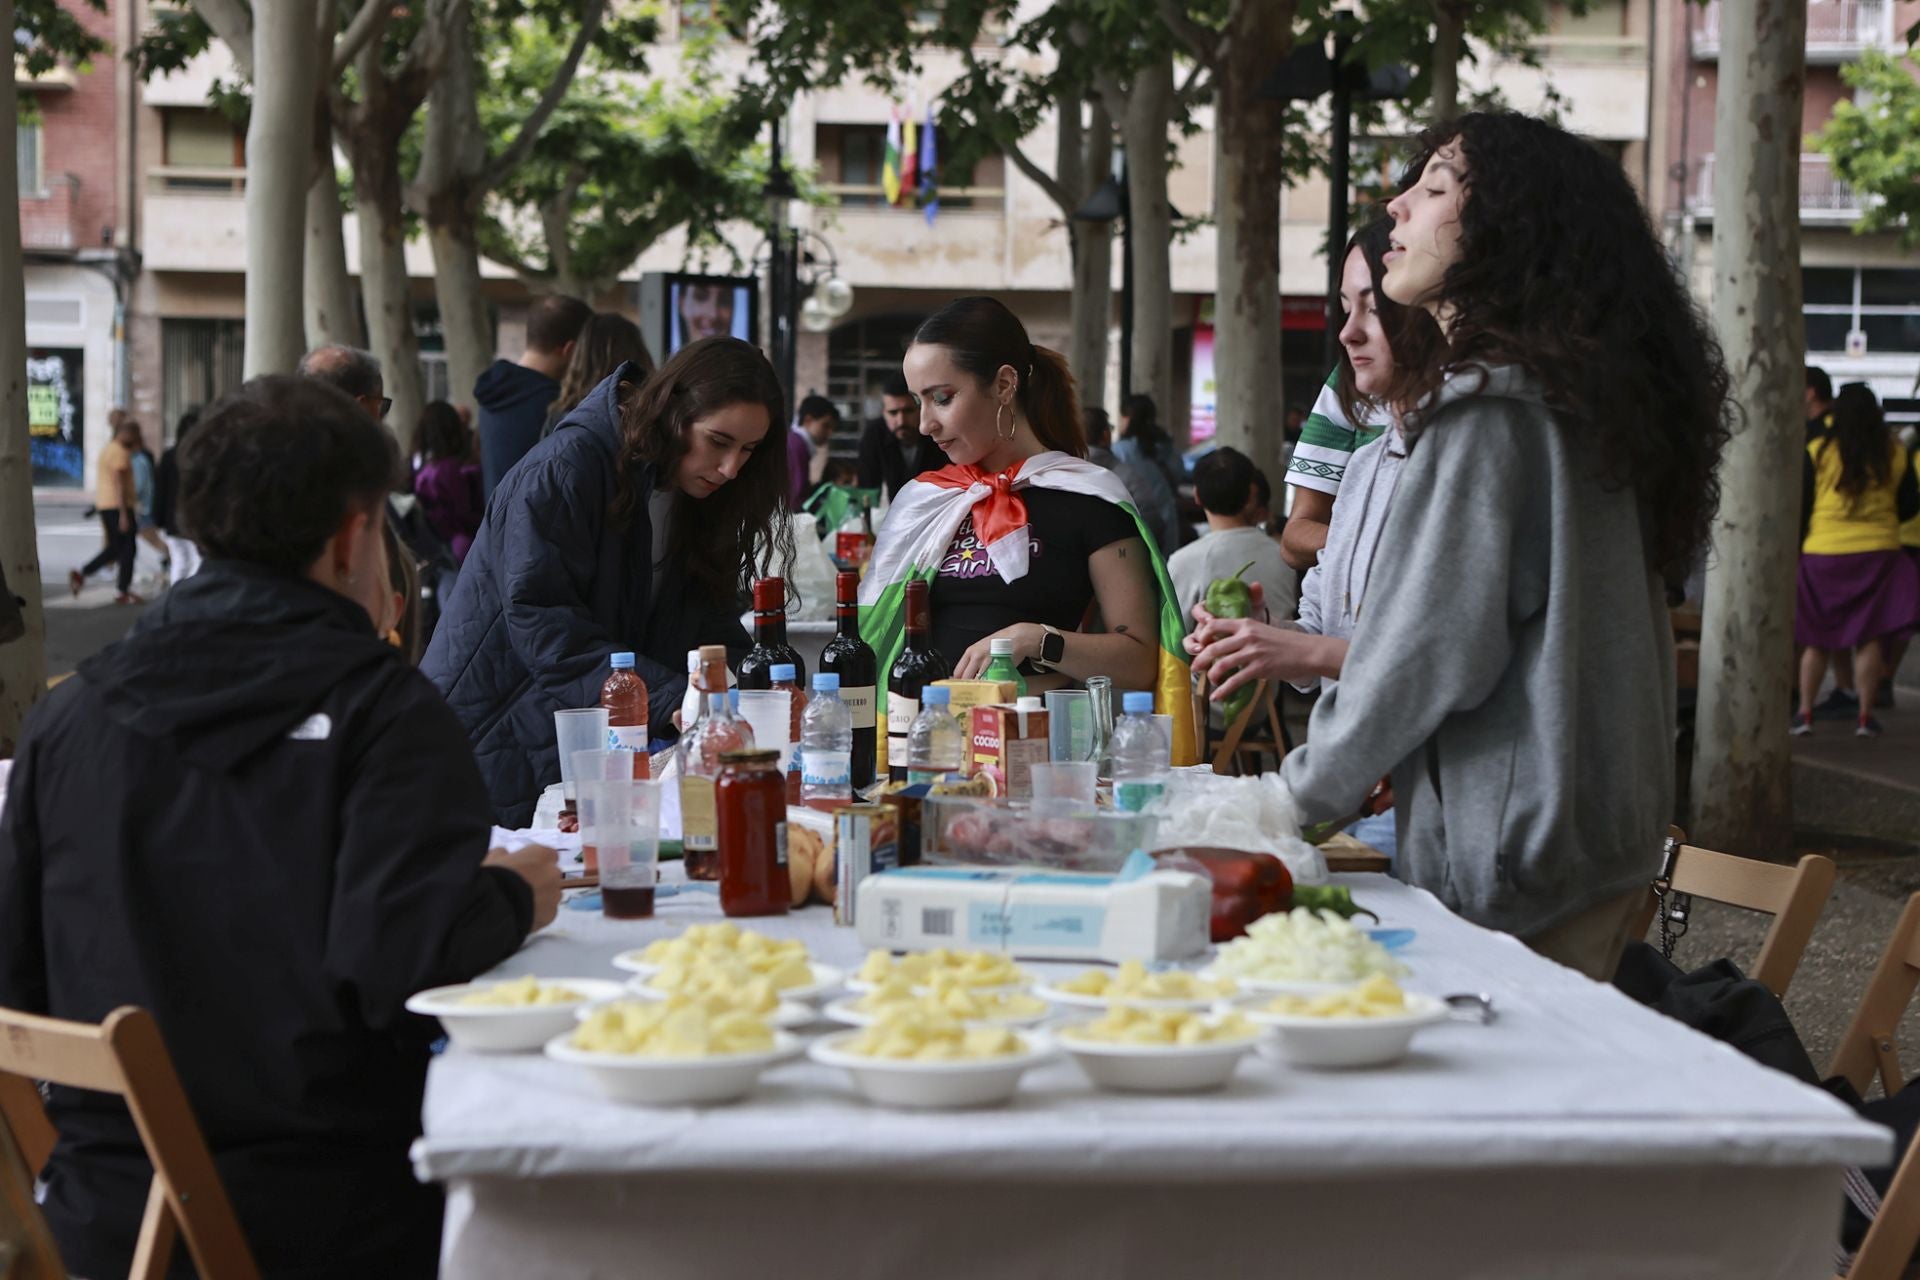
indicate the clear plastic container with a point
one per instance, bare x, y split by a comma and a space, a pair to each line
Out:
936, 742
1142, 754
826, 747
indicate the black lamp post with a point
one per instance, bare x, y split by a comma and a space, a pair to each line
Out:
783, 265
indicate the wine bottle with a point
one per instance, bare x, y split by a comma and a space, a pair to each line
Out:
769, 637
853, 660
918, 666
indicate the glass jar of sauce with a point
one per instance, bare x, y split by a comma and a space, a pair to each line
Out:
751, 797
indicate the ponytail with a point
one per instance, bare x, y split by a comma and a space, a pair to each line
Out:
1053, 409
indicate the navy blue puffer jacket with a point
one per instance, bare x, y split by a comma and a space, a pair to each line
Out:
552, 588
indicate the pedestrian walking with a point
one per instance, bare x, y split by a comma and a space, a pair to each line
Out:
116, 504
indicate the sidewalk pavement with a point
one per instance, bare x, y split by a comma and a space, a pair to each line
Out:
1848, 786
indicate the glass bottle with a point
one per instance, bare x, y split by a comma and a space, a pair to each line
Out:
1100, 694
918, 666
718, 731
769, 637
751, 802
852, 659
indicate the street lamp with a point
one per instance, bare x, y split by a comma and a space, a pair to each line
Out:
797, 260
1306, 75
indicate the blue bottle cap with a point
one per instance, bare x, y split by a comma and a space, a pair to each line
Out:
826, 682
623, 662
1132, 702
782, 671
936, 696
733, 699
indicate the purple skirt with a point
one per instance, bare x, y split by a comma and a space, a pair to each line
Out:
1846, 601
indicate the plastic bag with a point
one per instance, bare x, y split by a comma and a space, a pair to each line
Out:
812, 579
1200, 809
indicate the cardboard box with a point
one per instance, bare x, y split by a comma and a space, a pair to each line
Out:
1160, 915
968, 694
1007, 742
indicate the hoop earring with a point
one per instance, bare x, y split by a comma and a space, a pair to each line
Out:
1014, 427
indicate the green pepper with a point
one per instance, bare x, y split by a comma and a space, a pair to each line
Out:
1336, 898
1232, 598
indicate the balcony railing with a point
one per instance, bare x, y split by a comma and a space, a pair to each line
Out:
871, 195
48, 218
1837, 30
1823, 197
184, 179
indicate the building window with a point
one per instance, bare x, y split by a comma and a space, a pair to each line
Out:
1878, 304
202, 151
31, 172
200, 361
852, 157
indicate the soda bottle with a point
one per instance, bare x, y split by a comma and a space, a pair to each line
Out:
936, 742
785, 679
1141, 754
1001, 666
826, 746
624, 695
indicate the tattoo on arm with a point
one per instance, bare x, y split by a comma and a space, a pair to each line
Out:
1120, 631
1123, 553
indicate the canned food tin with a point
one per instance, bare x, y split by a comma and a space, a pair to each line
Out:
867, 840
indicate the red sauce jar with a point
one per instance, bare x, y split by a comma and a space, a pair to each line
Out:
751, 797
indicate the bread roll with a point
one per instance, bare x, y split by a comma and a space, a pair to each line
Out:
804, 848
826, 884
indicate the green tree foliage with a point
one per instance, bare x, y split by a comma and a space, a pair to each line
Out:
1874, 142
48, 32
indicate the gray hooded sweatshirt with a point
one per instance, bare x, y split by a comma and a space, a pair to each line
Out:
1513, 670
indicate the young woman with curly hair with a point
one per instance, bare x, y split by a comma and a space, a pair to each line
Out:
634, 526
1513, 666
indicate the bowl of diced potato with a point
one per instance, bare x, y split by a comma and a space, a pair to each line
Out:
1134, 985
971, 1006
513, 1016
916, 1057
1367, 1025
1142, 1050
673, 1052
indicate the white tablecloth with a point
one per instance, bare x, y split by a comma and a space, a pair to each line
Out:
1578, 1135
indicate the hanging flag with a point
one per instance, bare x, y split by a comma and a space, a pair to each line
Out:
909, 163
890, 163
929, 174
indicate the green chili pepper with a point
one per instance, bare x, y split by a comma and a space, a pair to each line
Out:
1336, 898
1232, 598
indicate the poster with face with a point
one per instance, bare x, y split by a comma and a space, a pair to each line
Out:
55, 376
709, 307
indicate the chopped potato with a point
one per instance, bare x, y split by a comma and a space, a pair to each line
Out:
917, 1034
522, 993
680, 1027
1377, 997
728, 942
1132, 982
1124, 1024
968, 968
949, 995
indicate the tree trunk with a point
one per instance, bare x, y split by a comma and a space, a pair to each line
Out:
1449, 34
279, 135
1247, 131
23, 673
452, 170
1741, 797
1083, 158
1148, 119
331, 314
384, 285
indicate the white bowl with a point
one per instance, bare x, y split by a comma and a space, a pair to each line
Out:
788, 1013
488, 1028
843, 1011
826, 978
891, 1082
860, 986
1279, 986
674, 1082
1081, 1000
1345, 1042
1157, 1068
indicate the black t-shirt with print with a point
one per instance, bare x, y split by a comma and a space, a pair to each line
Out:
969, 600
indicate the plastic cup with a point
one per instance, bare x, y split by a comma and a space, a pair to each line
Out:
1165, 725
575, 731
769, 713
1070, 735
626, 830
1064, 784
605, 764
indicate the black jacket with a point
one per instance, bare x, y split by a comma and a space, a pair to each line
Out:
552, 588
254, 820
512, 402
884, 461
166, 492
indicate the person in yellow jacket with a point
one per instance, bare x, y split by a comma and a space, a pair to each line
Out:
1858, 589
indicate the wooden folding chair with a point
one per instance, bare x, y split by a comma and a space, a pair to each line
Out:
1794, 896
1866, 1050
124, 1055
1233, 747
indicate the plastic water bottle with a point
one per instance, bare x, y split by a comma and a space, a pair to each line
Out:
1141, 754
936, 742
826, 746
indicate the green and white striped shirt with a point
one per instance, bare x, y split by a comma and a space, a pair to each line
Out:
1327, 440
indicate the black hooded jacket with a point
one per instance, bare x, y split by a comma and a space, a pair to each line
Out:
253, 819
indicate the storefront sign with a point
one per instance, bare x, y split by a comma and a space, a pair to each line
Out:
55, 429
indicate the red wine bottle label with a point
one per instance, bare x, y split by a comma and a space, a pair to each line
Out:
859, 700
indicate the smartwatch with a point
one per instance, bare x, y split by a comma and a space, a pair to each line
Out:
1053, 649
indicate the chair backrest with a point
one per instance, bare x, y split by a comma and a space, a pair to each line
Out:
1794, 896
1866, 1050
27, 1250
1225, 753
124, 1055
